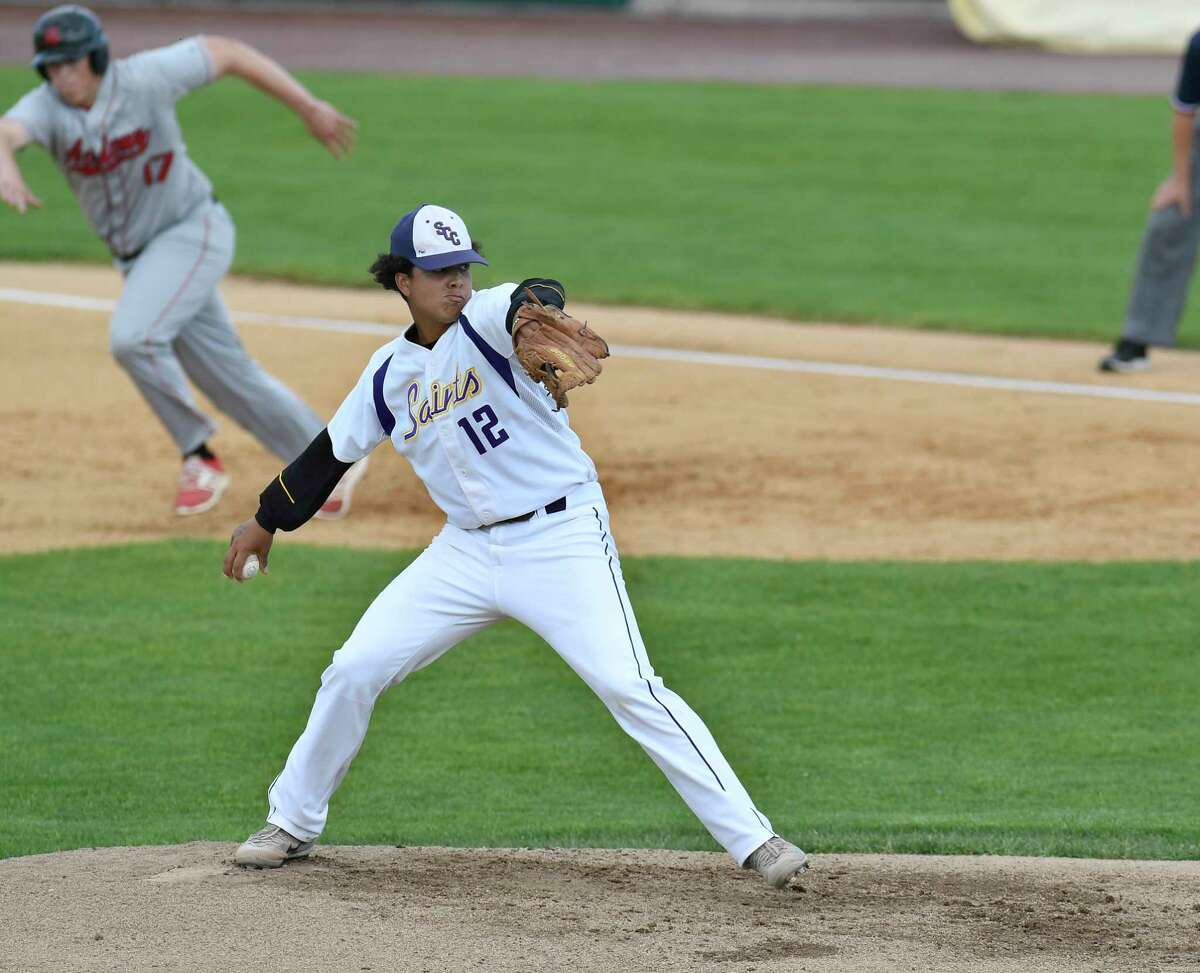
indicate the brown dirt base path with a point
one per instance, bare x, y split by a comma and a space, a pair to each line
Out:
695, 459
438, 909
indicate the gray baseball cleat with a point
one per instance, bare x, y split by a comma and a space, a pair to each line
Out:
270, 848
777, 861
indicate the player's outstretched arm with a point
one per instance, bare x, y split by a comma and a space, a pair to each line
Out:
13, 190
328, 125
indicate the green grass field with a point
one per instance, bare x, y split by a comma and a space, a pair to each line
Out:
1033, 709
1015, 708
1017, 213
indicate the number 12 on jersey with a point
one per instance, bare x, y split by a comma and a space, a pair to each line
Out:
486, 420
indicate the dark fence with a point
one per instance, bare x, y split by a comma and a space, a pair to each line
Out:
734, 7
394, 5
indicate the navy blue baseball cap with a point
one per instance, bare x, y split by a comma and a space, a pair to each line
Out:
433, 238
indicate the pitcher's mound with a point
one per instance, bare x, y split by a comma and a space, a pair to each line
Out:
439, 909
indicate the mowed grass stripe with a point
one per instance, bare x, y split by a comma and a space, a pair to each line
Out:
1014, 213
1015, 709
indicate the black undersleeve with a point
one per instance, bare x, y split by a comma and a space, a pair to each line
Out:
297, 493
547, 289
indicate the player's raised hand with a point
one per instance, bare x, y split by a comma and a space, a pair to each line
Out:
14, 192
248, 538
331, 128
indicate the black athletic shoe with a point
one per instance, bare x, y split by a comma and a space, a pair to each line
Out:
1126, 356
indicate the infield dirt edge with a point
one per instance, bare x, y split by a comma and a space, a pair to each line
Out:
379, 907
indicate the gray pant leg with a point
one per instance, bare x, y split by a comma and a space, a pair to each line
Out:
214, 358
176, 275
1164, 271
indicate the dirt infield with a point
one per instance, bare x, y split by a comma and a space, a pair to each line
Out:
696, 459
438, 909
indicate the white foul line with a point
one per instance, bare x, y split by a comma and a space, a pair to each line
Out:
18, 296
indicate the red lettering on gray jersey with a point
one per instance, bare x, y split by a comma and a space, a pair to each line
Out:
112, 153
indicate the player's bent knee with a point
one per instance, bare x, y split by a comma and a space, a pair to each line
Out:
122, 349
623, 695
129, 349
356, 675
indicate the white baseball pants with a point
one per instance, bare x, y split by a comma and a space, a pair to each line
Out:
559, 574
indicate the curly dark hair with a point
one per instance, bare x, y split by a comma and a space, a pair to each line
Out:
386, 267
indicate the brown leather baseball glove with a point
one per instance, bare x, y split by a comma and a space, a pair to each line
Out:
556, 349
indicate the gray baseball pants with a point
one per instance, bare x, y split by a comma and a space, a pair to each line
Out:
170, 325
1164, 269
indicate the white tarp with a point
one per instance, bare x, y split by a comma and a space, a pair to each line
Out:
1146, 26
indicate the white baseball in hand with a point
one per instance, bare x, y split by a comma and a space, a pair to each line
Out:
250, 567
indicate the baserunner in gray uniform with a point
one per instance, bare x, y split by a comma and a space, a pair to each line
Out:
112, 130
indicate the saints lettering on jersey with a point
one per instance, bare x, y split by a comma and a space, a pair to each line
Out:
442, 396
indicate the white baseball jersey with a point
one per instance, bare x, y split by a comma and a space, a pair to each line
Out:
125, 157
481, 434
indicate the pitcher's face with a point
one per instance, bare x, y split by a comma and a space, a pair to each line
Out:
436, 296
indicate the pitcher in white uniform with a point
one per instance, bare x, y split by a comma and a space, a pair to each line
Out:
527, 537
112, 130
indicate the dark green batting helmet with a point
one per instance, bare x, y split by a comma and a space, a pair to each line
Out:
68, 33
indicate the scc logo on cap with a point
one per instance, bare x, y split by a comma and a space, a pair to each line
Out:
433, 238
52, 37
446, 233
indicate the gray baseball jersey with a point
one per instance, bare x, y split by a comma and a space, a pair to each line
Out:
125, 157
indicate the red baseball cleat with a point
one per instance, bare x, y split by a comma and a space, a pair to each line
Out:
338, 504
201, 484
